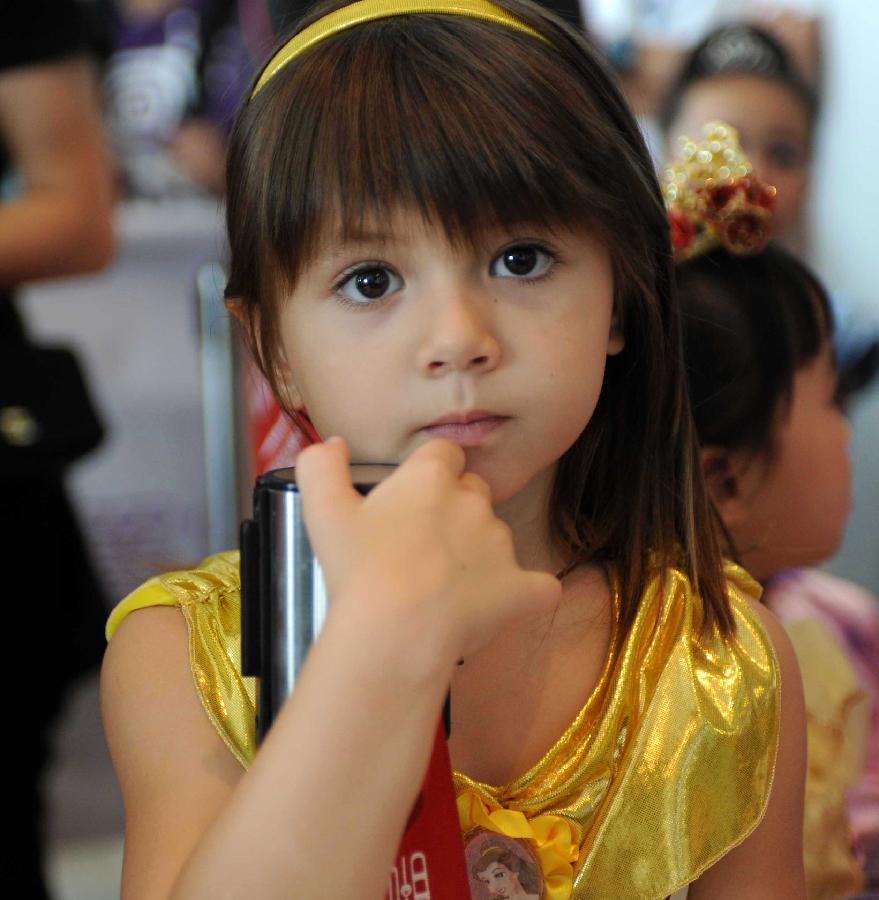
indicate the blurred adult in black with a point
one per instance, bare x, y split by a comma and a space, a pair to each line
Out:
55, 221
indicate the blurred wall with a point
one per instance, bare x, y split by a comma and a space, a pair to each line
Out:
845, 240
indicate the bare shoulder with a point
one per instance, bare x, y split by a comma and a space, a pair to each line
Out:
768, 864
784, 649
793, 710
174, 770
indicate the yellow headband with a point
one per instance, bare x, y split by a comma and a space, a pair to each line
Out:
370, 10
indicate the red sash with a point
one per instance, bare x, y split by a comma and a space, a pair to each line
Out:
430, 862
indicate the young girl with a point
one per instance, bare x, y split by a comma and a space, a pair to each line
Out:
740, 74
766, 395
450, 252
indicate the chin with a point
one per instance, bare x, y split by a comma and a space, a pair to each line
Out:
501, 488
830, 550
507, 484
817, 554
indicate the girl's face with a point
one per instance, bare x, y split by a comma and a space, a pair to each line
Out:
396, 337
773, 129
799, 501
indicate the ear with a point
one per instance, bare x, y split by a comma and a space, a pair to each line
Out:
616, 340
725, 474
289, 396
235, 306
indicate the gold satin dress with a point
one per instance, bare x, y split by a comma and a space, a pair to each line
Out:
667, 766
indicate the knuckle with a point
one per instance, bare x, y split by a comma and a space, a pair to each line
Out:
475, 507
311, 456
501, 533
474, 483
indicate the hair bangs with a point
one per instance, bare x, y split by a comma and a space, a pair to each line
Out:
456, 129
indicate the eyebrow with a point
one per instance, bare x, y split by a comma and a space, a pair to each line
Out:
783, 131
364, 236
339, 243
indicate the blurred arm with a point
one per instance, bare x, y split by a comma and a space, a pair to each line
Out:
61, 222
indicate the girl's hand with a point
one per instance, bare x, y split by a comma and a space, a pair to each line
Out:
422, 558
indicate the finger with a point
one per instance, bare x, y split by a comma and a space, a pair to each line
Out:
531, 594
541, 591
449, 455
470, 481
323, 475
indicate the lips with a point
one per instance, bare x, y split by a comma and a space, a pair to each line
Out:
467, 429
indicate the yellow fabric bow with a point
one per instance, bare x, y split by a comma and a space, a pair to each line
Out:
554, 840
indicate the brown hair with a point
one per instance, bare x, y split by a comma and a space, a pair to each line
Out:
476, 124
750, 324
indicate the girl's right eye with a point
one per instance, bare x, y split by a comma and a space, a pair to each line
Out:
367, 284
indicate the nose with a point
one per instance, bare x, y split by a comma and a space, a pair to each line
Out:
459, 339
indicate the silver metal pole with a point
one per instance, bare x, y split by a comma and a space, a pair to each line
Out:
219, 413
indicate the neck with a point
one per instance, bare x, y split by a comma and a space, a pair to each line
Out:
585, 595
527, 514
759, 561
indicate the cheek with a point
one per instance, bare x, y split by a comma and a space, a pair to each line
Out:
817, 496
837, 466
346, 401
574, 376
791, 188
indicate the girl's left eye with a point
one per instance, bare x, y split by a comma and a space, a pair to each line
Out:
786, 154
367, 284
522, 261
